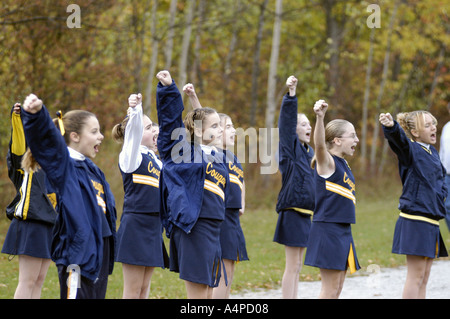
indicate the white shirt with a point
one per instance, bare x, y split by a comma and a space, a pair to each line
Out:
130, 158
444, 151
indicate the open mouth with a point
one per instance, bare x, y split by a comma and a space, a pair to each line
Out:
96, 148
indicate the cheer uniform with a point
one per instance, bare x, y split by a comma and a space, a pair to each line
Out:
84, 232
232, 238
31, 212
194, 184
422, 202
139, 237
330, 244
296, 200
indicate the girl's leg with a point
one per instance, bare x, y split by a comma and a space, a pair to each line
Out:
198, 291
294, 259
223, 290
417, 276
136, 281
332, 283
32, 272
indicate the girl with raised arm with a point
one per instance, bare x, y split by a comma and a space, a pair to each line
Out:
330, 245
84, 234
194, 185
295, 205
422, 203
140, 246
232, 239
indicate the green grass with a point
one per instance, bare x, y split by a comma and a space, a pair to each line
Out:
372, 234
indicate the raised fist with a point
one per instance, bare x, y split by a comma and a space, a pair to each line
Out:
320, 107
32, 104
134, 99
386, 119
164, 77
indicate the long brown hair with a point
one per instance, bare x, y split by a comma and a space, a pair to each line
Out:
73, 121
193, 117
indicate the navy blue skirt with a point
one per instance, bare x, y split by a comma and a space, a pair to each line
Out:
232, 240
292, 228
331, 246
418, 238
28, 237
140, 242
197, 256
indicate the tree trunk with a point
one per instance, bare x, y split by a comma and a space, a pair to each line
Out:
256, 69
376, 128
185, 44
147, 98
272, 79
170, 34
366, 102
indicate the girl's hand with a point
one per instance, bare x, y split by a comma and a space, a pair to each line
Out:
291, 83
32, 104
17, 108
134, 99
320, 108
189, 89
164, 77
386, 119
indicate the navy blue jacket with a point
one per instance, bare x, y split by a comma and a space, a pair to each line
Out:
422, 175
77, 235
182, 178
297, 176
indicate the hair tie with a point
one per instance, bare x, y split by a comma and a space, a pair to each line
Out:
60, 122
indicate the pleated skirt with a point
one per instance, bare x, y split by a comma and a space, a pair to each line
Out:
232, 240
140, 242
331, 246
196, 256
28, 237
292, 228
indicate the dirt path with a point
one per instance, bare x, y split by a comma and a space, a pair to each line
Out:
384, 283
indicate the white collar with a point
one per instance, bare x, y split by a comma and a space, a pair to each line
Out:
208, 149
427, 146
75, 154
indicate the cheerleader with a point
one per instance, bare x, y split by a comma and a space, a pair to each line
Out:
422, 202
84, 233
330, 244
139, 238
232, 240
31, 213
295, 205
194, 182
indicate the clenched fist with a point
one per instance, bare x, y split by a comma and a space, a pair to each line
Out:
32, 104
386, 119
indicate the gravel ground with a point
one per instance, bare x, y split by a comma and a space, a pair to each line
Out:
374, 283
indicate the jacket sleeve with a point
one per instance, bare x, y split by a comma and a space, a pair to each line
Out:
399, 142
287, 125
170, 108
130, 157
48, 148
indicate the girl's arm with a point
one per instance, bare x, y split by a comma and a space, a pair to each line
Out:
189, 90
324, 161
130, 158
398, 141
46, 142
287, 121
170, 108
